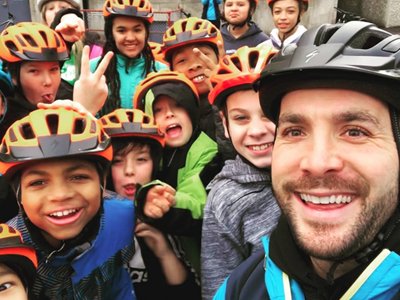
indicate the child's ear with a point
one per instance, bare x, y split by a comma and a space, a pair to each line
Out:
224, 123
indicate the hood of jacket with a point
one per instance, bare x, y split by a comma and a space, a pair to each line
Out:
240, 172
227, 36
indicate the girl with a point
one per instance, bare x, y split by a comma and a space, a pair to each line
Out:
287, 15
126, 28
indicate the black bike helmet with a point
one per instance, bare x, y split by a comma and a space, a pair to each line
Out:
356, 55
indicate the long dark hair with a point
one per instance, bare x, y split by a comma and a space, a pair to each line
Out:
112, 77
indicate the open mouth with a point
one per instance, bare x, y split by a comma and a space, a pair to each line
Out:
333, 199
47, 98
174, 130
64, 213
199, 78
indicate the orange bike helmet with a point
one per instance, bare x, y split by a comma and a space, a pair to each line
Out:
238, 72
51, 133
305, 3
131, 123
156, 78
156, 48
29, 41
190, 31
131, 8
13, 252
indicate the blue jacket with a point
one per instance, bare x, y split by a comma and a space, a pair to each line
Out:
93, 269
211, 15
260, 278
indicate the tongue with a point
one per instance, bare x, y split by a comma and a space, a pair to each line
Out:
47, 98
174, 132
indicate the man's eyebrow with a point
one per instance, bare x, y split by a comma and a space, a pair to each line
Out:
363, 116
291, 118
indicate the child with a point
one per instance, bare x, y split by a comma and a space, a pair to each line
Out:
188, 160
193, 46
18, 263
155, 268
286, 15
127, 29
57, 160
34, 54
240, 206
49, 8
239, 30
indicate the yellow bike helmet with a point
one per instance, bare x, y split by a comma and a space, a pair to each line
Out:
238, 72
131, 8
131, 123
52, 133
29, 41
190, 31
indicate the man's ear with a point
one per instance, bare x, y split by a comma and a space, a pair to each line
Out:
224, 123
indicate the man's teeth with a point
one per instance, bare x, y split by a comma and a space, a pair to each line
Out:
260, 147
325, 200
63, 213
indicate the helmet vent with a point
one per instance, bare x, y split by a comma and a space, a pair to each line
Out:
93, 126
27, 131
129, 114
52, 123
11, 45
113, 119
197, 25
30, 40
253, 59
236, 61
146, 120
13, 138
79, 126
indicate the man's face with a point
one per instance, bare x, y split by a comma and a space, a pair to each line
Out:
334, 169
60, 197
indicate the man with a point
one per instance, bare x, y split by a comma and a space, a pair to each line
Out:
335, 170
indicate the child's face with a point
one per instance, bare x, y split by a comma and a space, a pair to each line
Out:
129, 35
236, 11
285, 14
51, 9
186, 62
251, 133
173, 120
131, 168
60, 196
40, 81
11, 287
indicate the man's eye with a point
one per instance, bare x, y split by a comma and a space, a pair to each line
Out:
356, 132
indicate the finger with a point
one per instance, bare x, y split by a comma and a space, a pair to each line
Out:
207, 61
85, 66
169, 189
162, 204
221, 49
102, 67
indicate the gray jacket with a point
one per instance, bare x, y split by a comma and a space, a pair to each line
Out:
240, 209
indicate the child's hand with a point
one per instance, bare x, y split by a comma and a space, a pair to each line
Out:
91, 89
159, 199
154, 239
71, 28
67, 104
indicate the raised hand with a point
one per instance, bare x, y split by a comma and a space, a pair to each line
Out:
71, 28
91, 89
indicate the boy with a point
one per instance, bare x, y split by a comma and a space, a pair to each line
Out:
34, 54
240, 206
156, 268
57, 160
18, 263
176, 206
193, 47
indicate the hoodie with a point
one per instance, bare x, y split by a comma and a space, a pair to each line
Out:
251, 38
240, 209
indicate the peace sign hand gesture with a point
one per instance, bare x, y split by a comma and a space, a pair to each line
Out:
91, 89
